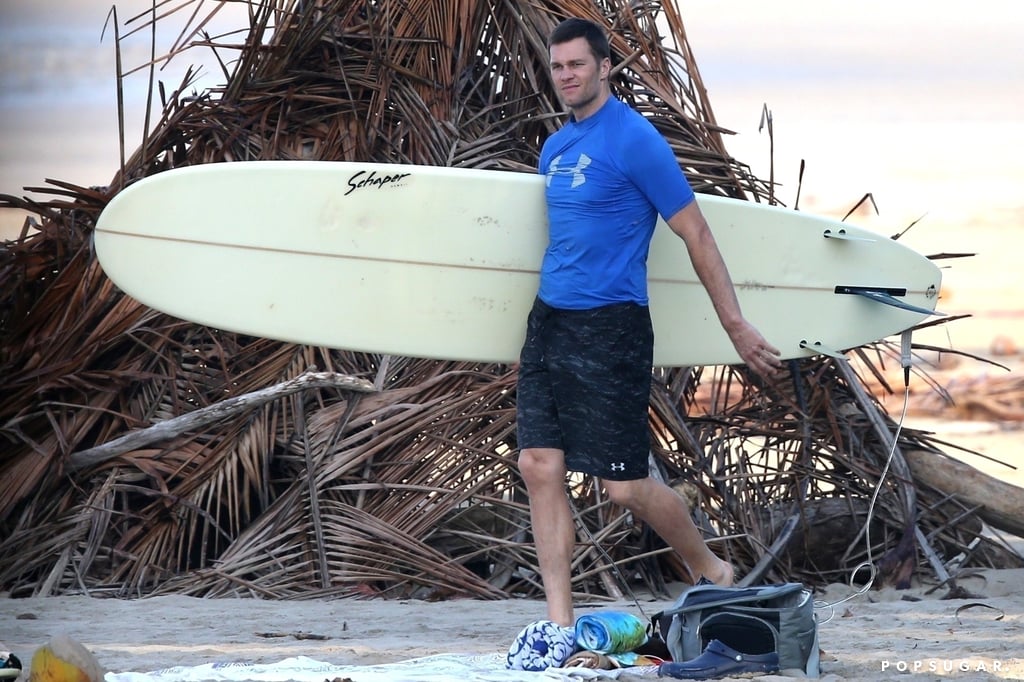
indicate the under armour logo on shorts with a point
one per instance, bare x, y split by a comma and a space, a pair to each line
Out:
578, 178
618, 466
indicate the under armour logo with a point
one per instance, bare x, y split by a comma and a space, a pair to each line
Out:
578, 178
618, 466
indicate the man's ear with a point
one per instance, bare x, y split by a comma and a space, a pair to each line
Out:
606, 68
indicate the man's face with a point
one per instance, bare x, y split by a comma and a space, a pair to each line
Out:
578, 76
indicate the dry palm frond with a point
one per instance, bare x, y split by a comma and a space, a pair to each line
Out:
411, 489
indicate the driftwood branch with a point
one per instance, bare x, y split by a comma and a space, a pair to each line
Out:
772, 554
211, 414
1000, 504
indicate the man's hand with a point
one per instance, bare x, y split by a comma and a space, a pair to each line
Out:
756, 352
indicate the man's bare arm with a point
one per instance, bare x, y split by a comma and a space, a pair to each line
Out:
689, 223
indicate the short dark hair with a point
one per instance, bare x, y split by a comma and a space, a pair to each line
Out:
574, 28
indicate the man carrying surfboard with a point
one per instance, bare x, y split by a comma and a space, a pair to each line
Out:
585, 367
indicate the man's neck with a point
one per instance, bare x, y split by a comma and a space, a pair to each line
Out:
591, 108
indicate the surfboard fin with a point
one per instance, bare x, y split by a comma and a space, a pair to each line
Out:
886, 296
819, 348
841, 233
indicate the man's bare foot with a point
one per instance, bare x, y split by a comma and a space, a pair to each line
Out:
723, 575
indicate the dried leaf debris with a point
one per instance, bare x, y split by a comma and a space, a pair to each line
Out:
408, 488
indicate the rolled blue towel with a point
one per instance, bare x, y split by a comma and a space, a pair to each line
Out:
541, 645
610, 632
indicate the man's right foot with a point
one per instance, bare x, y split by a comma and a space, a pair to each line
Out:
724, 577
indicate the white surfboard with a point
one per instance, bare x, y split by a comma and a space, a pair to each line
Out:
443, 263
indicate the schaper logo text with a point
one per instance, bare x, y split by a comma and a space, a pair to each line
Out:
362, 180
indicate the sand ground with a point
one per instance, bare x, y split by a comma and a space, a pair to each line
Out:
875, 635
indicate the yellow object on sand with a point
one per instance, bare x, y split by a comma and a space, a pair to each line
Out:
62, 659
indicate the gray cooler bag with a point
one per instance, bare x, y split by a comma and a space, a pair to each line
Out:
751, 620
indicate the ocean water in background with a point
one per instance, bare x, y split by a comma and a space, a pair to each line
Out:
872, 101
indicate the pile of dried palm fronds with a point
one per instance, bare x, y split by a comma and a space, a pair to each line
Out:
404, 483
986, 398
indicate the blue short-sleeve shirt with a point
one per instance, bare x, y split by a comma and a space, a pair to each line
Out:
608, 178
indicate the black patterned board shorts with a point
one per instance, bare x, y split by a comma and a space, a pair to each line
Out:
584, 387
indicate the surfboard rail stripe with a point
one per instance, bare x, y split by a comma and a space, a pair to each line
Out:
315, 254
755, 286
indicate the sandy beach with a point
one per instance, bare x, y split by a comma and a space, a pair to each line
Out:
875, 635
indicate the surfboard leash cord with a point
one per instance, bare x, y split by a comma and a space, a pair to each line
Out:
906, 361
